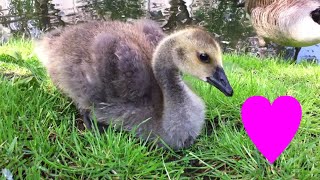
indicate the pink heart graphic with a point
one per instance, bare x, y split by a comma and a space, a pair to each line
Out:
271, 127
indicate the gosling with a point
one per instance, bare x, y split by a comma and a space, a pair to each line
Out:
128, 74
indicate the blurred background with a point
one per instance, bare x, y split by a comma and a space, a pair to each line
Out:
224, 18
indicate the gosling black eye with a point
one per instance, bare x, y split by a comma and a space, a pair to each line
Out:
204, 57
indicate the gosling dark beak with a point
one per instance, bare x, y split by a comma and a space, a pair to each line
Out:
220, 81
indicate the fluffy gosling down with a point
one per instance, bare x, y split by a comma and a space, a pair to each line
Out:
293, 23
128, 74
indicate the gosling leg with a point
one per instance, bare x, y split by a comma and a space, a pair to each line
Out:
86, 118
88, 121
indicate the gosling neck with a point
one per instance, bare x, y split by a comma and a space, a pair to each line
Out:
183, 112
167, 73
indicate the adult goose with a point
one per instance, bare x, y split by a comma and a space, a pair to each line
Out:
293, 23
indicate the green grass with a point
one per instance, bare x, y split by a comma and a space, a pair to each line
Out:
40, 135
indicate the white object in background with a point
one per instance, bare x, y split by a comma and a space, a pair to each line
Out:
7, 174
309, 53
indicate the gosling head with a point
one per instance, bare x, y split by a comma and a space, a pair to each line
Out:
197, 53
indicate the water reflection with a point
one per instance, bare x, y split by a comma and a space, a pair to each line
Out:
222, 17
225, 18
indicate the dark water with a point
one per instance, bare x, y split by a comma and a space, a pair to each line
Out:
222, 17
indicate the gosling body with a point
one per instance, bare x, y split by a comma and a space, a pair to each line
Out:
128, 74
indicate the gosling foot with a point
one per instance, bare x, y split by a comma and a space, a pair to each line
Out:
88, 121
